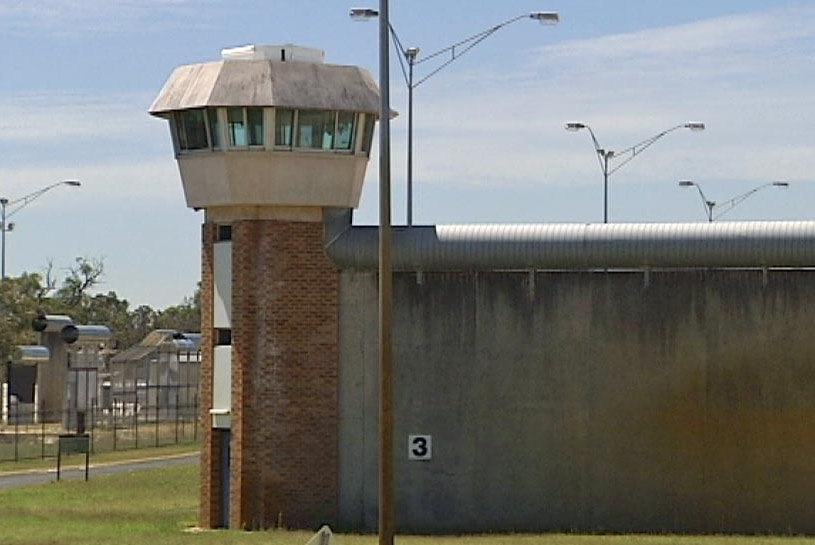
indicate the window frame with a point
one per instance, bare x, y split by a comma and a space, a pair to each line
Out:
219, 134
182, 135
231, 144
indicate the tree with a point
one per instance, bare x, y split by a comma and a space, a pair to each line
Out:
185, 317
22, 298
20, 301
84, 276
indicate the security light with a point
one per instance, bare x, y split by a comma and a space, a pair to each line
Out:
363, 14
545, 17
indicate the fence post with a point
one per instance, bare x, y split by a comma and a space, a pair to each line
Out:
16, 433
158, 412
113, 412
177, 411
195, 422
93, 420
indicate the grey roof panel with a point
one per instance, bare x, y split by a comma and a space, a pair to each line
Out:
268, 83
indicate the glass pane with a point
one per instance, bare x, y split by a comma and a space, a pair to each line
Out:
179, 131
368, 133
345, 130
193, 130
254, 117
236, 126
315, 129
214, 128
283, 127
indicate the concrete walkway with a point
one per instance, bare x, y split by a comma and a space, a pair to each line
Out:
20, 479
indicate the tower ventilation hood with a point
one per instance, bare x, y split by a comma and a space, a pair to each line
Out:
282, 53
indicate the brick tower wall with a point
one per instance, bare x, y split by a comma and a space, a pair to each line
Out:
284, 379
210, 490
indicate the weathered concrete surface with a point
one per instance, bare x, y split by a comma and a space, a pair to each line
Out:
682, 402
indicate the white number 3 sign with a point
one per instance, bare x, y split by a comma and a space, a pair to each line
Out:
420, 447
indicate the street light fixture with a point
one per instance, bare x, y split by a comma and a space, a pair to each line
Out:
730, 204
606, 156
411, 54
17, 205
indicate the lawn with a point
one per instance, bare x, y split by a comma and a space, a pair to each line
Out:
160, 508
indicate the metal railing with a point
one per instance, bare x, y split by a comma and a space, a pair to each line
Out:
121, 426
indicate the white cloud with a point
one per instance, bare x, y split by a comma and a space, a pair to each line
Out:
749, 77
64, 117
110, 16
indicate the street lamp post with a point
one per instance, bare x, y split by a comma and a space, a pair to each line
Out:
730, 204
17, 205
387, 509
410, 55
606, 156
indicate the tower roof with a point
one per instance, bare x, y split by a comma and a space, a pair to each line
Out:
303, 85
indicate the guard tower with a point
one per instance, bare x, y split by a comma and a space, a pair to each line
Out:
267, 140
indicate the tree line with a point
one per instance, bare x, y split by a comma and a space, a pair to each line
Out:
22, 298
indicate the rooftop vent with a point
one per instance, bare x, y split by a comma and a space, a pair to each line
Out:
283, 53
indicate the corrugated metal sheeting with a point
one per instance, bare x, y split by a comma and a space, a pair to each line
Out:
579, 246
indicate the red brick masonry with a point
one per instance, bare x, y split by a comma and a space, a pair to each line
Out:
284, 378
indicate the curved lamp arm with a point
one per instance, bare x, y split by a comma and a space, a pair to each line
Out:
639, 147
708, 205
738, 199
459, 48
601, 153
456, 50
24, 201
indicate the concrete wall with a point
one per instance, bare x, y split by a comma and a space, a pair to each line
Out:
678, 401
52, 378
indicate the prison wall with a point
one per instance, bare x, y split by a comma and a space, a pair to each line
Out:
669, 401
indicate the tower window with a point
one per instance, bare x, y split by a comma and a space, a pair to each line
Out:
245, 126
254, 120
214, 128
191, 129
224, 232
223, 337
284, 127
345, 131
237, 127
367, 133
315, 129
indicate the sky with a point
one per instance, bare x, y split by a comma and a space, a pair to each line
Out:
78, 77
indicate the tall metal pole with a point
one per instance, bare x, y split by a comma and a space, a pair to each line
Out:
605, 186
386, 461
19, 204
3, 203
411, 58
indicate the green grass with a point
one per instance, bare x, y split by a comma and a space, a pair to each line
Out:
160, 507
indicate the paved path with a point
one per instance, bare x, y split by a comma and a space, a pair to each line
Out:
34, 477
